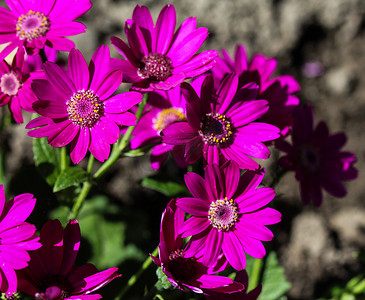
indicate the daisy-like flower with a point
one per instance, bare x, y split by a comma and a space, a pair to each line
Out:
15, 86
217, 124
78, 107
182, 268
228, 214
17, 237
34, 24
158, 58
278, 91
316, 158
165, 107
51, 273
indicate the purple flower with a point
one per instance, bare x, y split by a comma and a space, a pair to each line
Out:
17, 237
165, 107
158, 58
182, 268
316, 158
78, 107
34, 24
278, 91
228, 214
51, 273
219, 124
15, 86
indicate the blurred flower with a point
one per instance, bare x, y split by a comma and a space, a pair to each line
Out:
51, 273
227, 214
182, 268
165, 107
313, 69
15, 86
77, 107
17, 237
316, 158
278, 91
218, 124
158, 58
34, 24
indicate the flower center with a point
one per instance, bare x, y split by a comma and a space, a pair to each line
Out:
10, 84
167, 117
32, 25
85, 108
223, 214
55, 280
216, 129
156, 67
310, 158
183, 268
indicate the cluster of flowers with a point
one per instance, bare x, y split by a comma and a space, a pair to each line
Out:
228, 114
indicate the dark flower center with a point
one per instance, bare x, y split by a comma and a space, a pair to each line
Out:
183, 268
310, 158
167, 117
32, 25
57, 281
156, 67
10, 84
216, 129
85, 108
223, 214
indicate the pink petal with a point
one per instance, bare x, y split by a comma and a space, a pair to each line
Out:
80, 144
254, 200
232, 249
196, 185
78, 70
194, 206
165, 27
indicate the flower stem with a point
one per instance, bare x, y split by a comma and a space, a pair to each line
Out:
136, 276
255, 275
63, 159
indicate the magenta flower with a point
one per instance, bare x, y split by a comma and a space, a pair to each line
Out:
218, 124
166, 107
17, 237
278, 91
15, 86
228, 214
77, 107
51, 273
316, 158
182, 268
34, 24
158, 58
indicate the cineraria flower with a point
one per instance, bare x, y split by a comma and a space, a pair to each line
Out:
278, 91
158, 58
77, 107
166, 107
15, 86
182, 268
217, 124
34, 24
16, 236
228, 214
242, 295
51, 273
316, 158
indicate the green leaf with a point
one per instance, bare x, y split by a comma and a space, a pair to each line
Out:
274, 284
162, 283
45, 158
72, 176
168, 188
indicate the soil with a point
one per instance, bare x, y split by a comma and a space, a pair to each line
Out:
316, 246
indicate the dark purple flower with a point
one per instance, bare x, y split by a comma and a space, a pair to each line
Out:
219, 124
316, 158
78, 107
34, 24
158, 58
228, 214
278, 91
165, 107
182, 268
51, 273
15, 86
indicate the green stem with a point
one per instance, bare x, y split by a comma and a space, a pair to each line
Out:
136, 276
122, 144
2, 168
63, 159
255, 275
